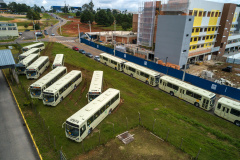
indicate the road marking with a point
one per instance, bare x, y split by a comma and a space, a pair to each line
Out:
39, 154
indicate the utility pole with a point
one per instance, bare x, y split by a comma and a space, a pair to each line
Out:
89, 26
34, 29
60, 27
79, 34
185, 66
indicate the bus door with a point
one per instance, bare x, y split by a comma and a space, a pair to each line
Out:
151, 80
205, 103
163, 86
181, 93
118, 67
224, 112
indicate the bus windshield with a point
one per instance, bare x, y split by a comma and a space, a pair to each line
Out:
31, 73
25, 49
48, 98
93, 96
21, 58
72, 130
157, 79
212, 101
21, 69
35, 91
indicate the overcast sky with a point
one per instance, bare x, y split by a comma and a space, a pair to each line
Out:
130, 5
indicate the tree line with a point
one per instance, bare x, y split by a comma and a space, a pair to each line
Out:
104, 17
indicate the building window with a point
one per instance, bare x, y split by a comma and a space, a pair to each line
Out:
209, 13
202, 45
9, 28
191, 40
184, 50
193, 47
215, 36
189, 19
216, 28
197, 46
219, 14
199, 38
205, 29
195, 13
187, 35
207, 37
197, 29
216, 14
200, 14
190, 12
14, 28
211, 37
212, 14
212, 28
201, 29
209, 29
193, 30
195, 39
189, 48
4, 28
204, 13
203, 38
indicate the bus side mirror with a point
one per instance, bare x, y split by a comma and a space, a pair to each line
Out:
86, 95
63, 124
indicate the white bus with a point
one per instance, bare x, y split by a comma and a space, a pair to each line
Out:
60, 89
228, 109
31, 51
37, 68
22, 65
95, 88
81, 124
58, 61
112, 61
192, 94
37, 87
39, 45
142, 73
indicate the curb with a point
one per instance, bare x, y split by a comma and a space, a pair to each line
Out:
39, 154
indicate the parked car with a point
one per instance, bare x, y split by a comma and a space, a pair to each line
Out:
52, 34
20, 33
227, 69
75, 48
45, 32
89, 55
82, 51
27, 30
97, 58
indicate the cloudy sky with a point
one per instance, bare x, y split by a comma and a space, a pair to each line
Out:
130, 5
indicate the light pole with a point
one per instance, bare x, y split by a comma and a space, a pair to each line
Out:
166, 64
89, 26
79, 34
34, 29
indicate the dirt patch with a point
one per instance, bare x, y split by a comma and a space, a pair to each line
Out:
144, 146
211, 135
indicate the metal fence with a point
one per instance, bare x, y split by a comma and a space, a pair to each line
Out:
197, 81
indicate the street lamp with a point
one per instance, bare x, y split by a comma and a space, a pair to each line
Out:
89, 26
34, 29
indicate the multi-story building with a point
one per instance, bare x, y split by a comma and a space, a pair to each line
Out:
8, 29
215, 29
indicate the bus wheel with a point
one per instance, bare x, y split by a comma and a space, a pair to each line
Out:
115, 68
131, 75
237, 123
110, 111
61, 99
196, 104
89, 131
75, 86
146, 82
171, 93
105, 63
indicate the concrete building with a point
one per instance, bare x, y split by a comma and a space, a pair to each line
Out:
70, 8
8, 29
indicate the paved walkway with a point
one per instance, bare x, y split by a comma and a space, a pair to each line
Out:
15, 141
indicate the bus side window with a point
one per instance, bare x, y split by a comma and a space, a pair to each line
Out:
227, 110
219, 106
56, 97
160, 81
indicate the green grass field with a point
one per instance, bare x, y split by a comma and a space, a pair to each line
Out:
217, 138
5, 19
111, 28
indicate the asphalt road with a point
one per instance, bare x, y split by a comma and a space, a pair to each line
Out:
15, 141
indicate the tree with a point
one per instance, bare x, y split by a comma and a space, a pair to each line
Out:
33, 15
125, 26
37, 26
101, 17
91, 5
37, 9
65, 9
87, 16
26, 25
78, 13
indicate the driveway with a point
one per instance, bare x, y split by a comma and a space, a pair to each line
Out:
15, 141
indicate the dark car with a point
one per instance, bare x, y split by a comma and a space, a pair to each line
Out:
89, 55
82, 51
227, 69
45, 32
27, 30
75, 48
97, 58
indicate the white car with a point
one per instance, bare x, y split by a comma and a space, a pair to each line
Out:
52, 34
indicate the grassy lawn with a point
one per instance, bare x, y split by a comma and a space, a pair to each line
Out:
5, 19
111, 28
9, 40
217, 138
63, 15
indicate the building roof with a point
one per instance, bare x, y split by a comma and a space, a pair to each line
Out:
6, 59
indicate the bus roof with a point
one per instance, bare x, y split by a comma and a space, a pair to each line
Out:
38, 62
119, 60
58, 59
28, 59
188, 86
48, 77
33, 45
29, 52
143, 69
87, 111
62, 82
96, 83
229, 102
